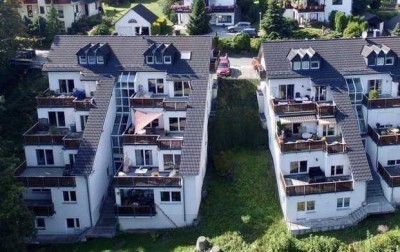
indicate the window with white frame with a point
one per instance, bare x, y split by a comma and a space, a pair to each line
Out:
66, 86
393, 162
44, 157
149, 59
73, 223
298, 166
337, 2
72, 158
167, 59
167, 196
82, 60
296, 65
315, 64
156, 86
380, 61
100, 60
305, 65
40, 223
343, 202
307, 206
172, 161
92, 60
83, 121
328, 130
181, 88
144, 157
69, 196
56, 119
159, 59
337, 170
389, 61
177, 123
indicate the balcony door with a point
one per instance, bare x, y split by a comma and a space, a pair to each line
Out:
286, 92
320, 93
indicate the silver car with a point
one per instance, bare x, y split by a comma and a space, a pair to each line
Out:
240, 26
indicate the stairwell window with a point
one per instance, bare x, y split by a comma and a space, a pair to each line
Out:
307, 206
343, 202
336, 170
69, 196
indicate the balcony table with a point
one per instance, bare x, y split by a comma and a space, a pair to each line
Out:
394, 130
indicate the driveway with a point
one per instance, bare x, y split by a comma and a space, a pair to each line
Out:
241, 67
221, 31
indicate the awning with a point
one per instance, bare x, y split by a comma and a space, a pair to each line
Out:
144, 118
325, 121
298, 119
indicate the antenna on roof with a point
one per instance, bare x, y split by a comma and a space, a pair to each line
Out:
364, 34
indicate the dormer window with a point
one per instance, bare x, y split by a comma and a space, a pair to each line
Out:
159, 59
91, 60
149, 59
100, 60
82, 60
305, 65
296, 65
380, 61
389, 61
315, 64
167, 59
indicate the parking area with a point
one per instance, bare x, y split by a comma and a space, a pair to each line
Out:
241, 67
221, 31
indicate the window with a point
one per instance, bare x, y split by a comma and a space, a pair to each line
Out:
306, 206
82, 60
393, 162
320, 93
286, 92
337, 2
389, 61
66, 86
315, 64
296, 65
172, 161
153, 124
336, 170
83, 119
30, 11
181, 88
159, 59
177, 123
143, 157
328, 130
76, 8
40, 223
375, 85
305, 65
380, 61
298, 167
44, 157
41, 10
60, 13
156, 86
73, 223
92, 60
57, 119
69, 196
72, 158
170, 196
343, 202
149, 59
167, 59
100, 60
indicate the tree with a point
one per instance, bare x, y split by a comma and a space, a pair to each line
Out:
101, 29
375, 4
396, 30
354, 29
166, 6
199, 21
273, 22
359, 6
340, 21
332, 17
53, 24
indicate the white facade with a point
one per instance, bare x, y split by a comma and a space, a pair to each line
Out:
132, 24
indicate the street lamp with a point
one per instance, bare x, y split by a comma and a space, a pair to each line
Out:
260, 20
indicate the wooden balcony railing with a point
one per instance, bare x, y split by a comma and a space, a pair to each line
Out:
40, 207
135, 210
281, 109
55, 102
326, 110
175, 106
317, 188
147, 181
43, 139
71, 143
314, 145
37, 135
382, 140
140, 139
381, 103
82, 105
147, 102
392, 181
308, 7
335, 148
170, 144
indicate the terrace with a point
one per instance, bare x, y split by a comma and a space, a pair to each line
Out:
41, 134
154, 136
150, 100
384, 135
302, 105
391, 174
43, 176
382, 102
315, 182
78, 101
139, 176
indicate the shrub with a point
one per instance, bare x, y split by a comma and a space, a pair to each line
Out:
332, 17
291, 24
319, 243
354, 30
173, 17
255, 44
373, 94
340, 21
101, 29
166, 6
241, 42
160, 27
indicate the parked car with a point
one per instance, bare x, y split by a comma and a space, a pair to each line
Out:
251, 31
223, 68
239, 27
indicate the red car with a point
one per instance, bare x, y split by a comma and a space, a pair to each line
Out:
223, 68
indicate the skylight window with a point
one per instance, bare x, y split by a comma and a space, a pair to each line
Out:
186, 55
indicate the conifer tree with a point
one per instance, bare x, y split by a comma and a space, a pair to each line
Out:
199, 22
273, 22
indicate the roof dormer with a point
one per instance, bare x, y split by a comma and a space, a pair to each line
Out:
378, 55
160, 54
304, 59
93, 54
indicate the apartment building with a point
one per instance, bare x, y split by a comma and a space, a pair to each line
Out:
322, 102
69, 11
222, 12
123, 125
306, 11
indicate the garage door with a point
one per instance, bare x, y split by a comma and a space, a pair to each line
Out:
125, 30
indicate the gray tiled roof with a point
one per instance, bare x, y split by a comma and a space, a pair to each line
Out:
145, 13
127, 55
391, 24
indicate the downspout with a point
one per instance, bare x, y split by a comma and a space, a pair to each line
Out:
184, 201
90, 207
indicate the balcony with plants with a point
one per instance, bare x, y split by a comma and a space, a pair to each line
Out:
374, 100
76, 100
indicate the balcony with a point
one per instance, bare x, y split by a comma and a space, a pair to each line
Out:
43, 177
306, 184
390, 174
307, 7
132, 210
326, 109
49, 99
150, 100
330, 145
385, 135
40, 134
154, 136
290, 107
40, 207
138, 176
382, 102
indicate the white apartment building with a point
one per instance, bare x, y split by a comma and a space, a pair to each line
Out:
319, 115
306, 11
222, 11
143, 98
69, 11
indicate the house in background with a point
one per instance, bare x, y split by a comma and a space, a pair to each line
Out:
375, 24
320, 114
68, 10
137, 21
222, 11
306, 11
391, 24
121, 135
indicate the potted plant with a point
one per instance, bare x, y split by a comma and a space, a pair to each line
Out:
373, 94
